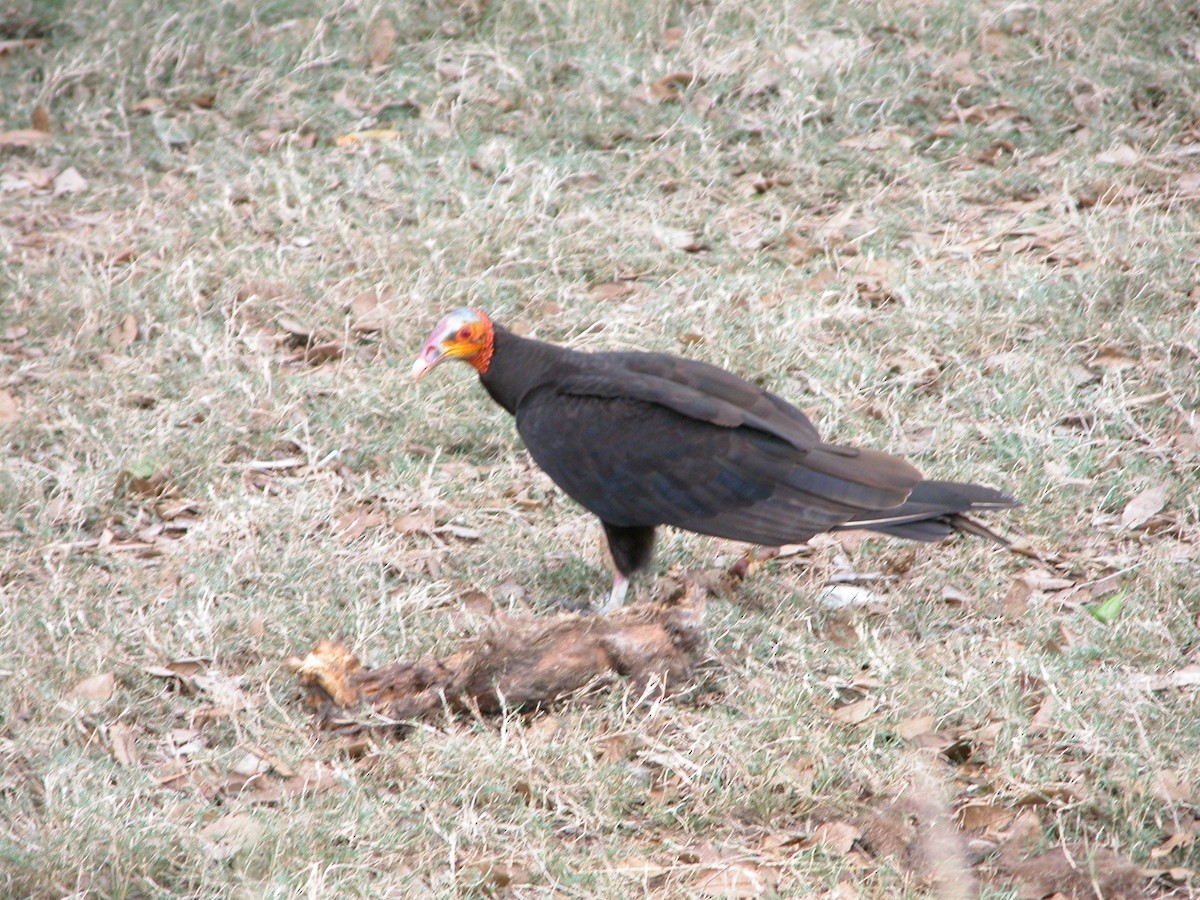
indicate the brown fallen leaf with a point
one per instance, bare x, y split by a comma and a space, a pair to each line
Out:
123, 744
981, 816
678, 238
18, 43
69, 181
494, 876
1120, 155
222, 691
40, 118
148, 105
23, 137
1142, 508
125, 332
914, 727
1171, 786
371, 135
855, 713
225, 837
1188, 676
353, 524
734, 879
612, 290
381, 41
97, 687
836, 837
1175, 842
669, 88
10, 411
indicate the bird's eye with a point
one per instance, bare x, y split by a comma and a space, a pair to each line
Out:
464, 333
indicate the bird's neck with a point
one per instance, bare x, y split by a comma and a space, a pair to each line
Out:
517, 366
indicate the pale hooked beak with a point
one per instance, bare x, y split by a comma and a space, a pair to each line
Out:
431, 355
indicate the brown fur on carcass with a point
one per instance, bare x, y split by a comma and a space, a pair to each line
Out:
517, 663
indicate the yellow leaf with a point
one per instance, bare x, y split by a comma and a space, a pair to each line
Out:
369, 136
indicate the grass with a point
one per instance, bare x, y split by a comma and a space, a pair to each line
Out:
961, 230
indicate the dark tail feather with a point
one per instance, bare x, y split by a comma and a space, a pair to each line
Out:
935, 509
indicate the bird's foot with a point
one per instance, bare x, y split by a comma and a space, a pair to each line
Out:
616, 598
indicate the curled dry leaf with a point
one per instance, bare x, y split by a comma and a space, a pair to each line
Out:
1188, 676
1144, 507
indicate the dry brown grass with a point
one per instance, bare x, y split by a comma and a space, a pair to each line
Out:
964, 231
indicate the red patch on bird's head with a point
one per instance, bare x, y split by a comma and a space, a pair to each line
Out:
465, 334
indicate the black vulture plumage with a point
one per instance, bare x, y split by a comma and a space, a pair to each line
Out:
649, 439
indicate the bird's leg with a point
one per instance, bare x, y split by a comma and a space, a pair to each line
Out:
616, 599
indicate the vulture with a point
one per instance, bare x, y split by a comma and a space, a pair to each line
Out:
648, 439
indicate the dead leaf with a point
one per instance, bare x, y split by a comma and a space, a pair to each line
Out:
122, 743
1046, 712
855, 713
669, 88
226, 836
381, 41
954, 596
23, 137
1173, 843
353, 524
40, 119
678, 238
1142, 508
371, 135
18, 43
911, 728
496, 876
414, 523
1170, 786
98, 687
223, 692
981, 816
840, 596
250, 765
125, 333
1120, 155
1114, 359
612, 290
737, 879
367, 312
70, 182
1188, 676
672, 37
10, 411
148, 105
836, 837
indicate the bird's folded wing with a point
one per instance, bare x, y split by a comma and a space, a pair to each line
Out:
693, 389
